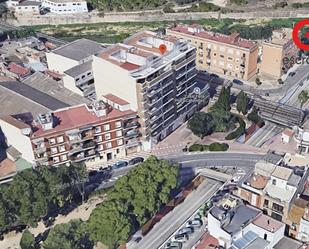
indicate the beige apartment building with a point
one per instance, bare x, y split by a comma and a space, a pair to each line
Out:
278, 53
227, 55
158, 86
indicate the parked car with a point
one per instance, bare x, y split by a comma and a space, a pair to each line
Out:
238, 82
291, 74
195, 223
136, 160
120, 164
186, 230
180, 237
173, 245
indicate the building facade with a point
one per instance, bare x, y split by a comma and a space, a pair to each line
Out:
95, 133
278, 53
65, 6
158, 86
74, 62
227, 55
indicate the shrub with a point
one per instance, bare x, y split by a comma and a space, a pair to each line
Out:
239, 131
198, 147
218, 147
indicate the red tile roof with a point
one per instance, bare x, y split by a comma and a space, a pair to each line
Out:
129, 66
115, 99
207, 240
17, 69
232, 39
53, 74
76, 117
288, 132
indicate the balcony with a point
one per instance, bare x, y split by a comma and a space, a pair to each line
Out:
75, 138
89, 144
131, 134
129, 125
159, 77
75, 149
152, 92
132, 142
86, 135
40, 149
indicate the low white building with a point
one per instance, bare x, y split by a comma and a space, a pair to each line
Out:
74, 62
65, 6
27, 8
302, 139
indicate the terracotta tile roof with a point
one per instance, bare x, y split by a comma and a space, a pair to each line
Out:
15, 122
7, 167
232, 39
268, 223
115, 99
129, 66
17, 69
76, 117
207, 242
258, 181
53, 74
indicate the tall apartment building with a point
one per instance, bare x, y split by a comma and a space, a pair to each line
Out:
95, 133
73, 61
227, 55
158, 86
277, 53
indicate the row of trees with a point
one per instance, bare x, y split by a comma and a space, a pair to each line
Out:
126, 5
134, 199
34, 193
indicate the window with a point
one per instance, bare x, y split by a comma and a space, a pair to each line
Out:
118, 124
52, 141
53, 150
276, 216
266, 202
215, 54
99, 138
118, 133
98, 129
100, 147
62, 148
56, 159
274, 182
119, 142
277, 208
117, 151
106, 127
265, 236
64, 157
107, 136
89, 73
221, 55
60, 139
229, 58
108, 145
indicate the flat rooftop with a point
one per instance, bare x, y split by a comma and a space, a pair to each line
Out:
288, 243
56, 89
140, 53
282, 173
284, 195
199, 32
268, 223
79, 49
79, 69
76, 117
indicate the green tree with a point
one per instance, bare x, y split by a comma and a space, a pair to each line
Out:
223, 101
134, 199
303, 97
242, 103
254, 117
201, 124
72, 235
27, 240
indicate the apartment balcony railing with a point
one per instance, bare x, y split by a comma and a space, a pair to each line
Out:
185, 61
131, 134
180, 74
132, 142
159, 78
88, 145
131, 125
75, 139
40, 150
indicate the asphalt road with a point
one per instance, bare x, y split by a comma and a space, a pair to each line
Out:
170, 223
196, 160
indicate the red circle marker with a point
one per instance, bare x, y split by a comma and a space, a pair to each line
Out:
162, 48
296, 30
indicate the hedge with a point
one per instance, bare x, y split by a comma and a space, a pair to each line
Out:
211, 147
239, 131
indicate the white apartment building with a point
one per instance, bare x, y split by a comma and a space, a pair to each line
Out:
65, 6
73, 61
26, 7
156, 85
